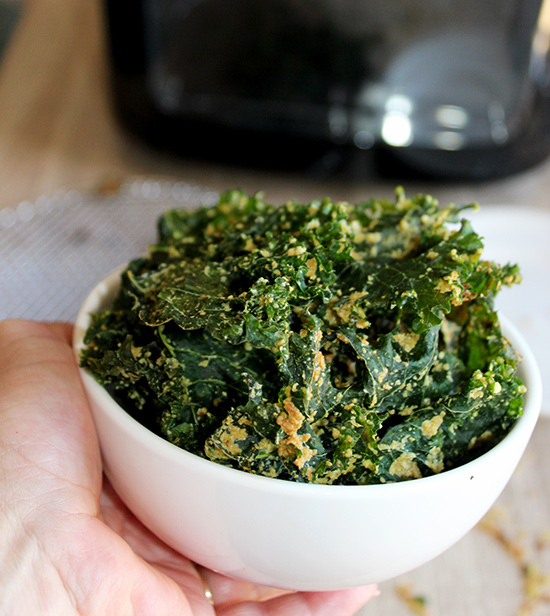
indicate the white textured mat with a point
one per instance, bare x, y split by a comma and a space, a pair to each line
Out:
53, 251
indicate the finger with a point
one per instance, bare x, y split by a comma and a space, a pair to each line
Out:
32, 356
191, 577
231, 597
61, 331
19, 331
227, 591
45, 423
155, 552
142, 541
340, 602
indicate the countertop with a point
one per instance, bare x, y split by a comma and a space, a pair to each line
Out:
58, 132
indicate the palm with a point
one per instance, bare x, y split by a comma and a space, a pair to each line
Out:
83, 551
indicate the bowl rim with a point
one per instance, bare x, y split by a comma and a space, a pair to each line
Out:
528, 371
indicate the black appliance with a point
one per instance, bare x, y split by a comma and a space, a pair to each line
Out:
444, 88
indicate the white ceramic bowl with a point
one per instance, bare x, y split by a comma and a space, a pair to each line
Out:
291, 535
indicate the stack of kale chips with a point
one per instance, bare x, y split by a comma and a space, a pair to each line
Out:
327, 342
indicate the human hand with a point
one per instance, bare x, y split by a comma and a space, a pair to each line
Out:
68, 544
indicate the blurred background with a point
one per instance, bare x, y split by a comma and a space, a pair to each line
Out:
441, 96
112, 110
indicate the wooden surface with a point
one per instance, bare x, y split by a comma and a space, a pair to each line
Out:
57, 130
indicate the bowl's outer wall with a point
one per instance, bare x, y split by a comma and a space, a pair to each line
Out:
300, 539
295, 536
